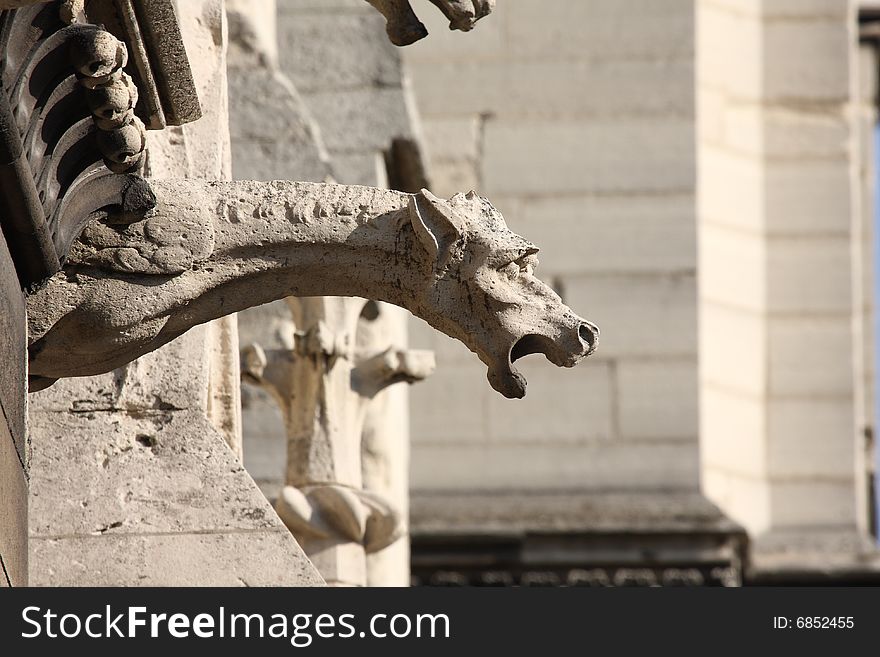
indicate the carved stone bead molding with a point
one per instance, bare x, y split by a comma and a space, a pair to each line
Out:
99, 58
74, 101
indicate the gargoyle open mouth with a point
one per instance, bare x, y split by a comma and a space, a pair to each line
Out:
510, 382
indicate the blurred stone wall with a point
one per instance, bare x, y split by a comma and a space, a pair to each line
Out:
788, 111
576, 119
324, 101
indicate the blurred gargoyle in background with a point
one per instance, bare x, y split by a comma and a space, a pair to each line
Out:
404, 27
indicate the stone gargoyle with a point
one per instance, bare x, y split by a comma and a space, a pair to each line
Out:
208, 249
404, 27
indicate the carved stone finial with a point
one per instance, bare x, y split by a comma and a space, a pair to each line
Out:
331, 511
99, 57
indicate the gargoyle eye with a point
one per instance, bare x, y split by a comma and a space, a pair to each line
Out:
527, 263
523, 263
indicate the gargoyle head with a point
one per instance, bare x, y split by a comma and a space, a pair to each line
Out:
482, 290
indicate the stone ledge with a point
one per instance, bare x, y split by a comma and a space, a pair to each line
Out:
836, 556
521, 512
155, 499
662, 538
266, 558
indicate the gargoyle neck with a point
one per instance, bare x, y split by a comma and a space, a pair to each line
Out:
303, 239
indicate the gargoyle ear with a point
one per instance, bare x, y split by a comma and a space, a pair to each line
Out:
436, 224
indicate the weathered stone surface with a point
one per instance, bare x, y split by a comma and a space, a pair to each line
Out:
322, 51
478, 513
159, 483
13, 440
160, 472
267, 114
12, 344
172, 560
146, 384
829, 553
326, 384
347, 128
212, 249
13, 513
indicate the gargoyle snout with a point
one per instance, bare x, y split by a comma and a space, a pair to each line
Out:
589, 337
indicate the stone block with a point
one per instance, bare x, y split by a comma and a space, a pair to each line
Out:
360, 169
733, 349
811, 439
452, 176
274, 136
629, 155
733, 431
639, 315
13, 376
461, 386
781, 9
813, 503
731, 189
711, 115
593, 466
657, 399
147, 384
323, 51
160, 492
730, 53
448, 352
13, 512
263, 558
806, 60
592, 234
512, 88
805, 134
568, 406
807, 197
809, 275
157, 473
451, 138
595, 29
361, 120
810, 356
732, 267
744, 500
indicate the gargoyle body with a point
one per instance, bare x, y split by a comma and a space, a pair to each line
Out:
209, 249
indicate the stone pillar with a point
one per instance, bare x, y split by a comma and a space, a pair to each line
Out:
13, 440
326, 385
867, 118
782, 325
